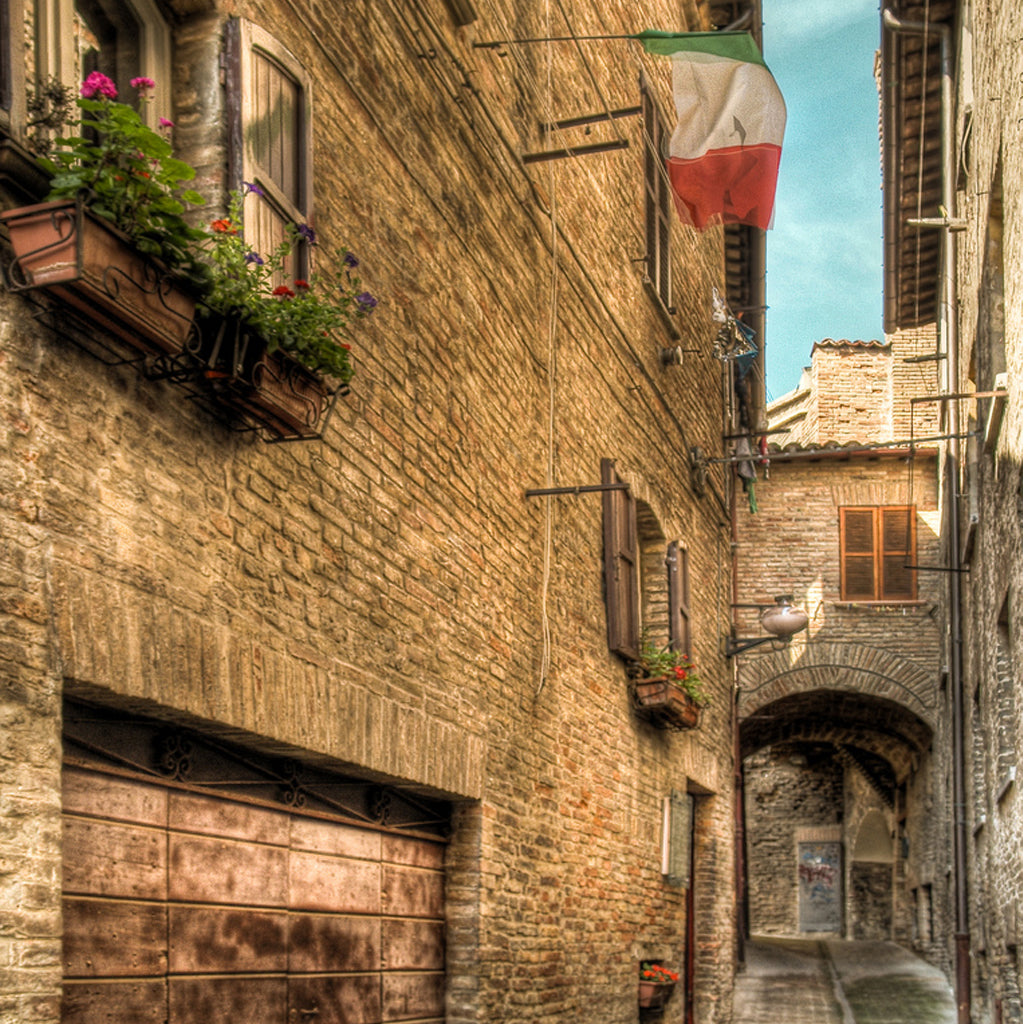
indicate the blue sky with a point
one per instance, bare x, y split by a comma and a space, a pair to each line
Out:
825, 251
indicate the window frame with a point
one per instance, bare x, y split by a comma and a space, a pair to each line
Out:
658, 203
57, 57
878, 553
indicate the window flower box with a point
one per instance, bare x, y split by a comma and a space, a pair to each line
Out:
269, 390
657, 983
662, 701
89, 265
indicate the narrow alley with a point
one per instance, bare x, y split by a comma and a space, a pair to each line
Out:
809, 981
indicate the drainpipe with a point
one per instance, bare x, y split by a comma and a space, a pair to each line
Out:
948, 343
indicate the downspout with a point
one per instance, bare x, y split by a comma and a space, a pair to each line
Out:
948, 343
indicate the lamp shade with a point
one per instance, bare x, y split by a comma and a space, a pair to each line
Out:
783, 619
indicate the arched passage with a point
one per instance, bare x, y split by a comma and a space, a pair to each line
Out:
826, 770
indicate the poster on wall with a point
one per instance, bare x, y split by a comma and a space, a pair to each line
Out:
820, 868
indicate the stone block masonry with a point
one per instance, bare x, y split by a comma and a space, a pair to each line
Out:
377, 602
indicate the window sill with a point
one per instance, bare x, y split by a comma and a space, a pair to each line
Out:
20, 175
879, 606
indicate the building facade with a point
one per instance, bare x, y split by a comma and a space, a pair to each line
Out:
836, 727
333, 729
953, 255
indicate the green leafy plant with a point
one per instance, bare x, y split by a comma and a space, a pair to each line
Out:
655, 661
305, 319
125, 172
655, 972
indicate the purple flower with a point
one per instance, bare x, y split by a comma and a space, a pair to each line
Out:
254, 257
350, 260
143, 83
366, 302
251, 186
97, 82
307, 233
164, 123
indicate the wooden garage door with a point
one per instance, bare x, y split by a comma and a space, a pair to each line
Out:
193, 907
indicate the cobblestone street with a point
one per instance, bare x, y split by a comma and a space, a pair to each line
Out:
794, 981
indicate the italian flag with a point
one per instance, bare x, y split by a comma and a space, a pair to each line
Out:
723, 158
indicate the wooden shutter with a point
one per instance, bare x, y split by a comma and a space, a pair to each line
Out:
621, 590
677, 838
857, 549
275, 142
678, 562
876, 547
657, 199
897, 547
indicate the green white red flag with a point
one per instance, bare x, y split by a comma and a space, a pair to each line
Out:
723, 158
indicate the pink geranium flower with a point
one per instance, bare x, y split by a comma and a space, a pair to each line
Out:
98, 83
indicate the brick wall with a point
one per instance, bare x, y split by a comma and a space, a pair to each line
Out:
375, 600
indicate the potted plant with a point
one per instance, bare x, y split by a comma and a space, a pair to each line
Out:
111, 239
666, 687
657, 983
273, 347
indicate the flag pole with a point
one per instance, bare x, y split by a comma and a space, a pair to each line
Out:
494, 44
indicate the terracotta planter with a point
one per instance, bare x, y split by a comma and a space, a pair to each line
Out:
268, 389
653, 995
89, 265
663, 701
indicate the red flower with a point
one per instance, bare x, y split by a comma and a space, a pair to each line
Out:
680, 672
299, 283
284, 291
224, 226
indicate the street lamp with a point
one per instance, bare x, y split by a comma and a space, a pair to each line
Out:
780, 620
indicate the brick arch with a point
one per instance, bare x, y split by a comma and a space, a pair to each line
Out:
843, 667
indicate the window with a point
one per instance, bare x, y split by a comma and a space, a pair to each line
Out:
647, 585
124, 39
657, 200
275, 143
877, 548
677, 838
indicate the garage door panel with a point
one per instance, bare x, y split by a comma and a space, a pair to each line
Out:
412, 852
222, 871
326, 942
354, 999
220, 940
227, 1000
411, 893
103, 938
329, 837
114, 860
412, 945
320, 882
141, 1002
209, 815
114, 799
412, 996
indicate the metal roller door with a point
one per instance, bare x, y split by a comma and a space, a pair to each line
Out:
191, 906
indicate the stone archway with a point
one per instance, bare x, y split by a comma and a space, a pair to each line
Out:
840, 667
830, 734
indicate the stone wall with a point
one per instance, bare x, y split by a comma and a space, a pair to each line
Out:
990, 270
379, 600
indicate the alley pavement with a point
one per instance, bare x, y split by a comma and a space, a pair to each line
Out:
831, 981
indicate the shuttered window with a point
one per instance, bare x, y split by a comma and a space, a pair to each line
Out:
621, 570
275, 142
657, 199
877, 546
678, 562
